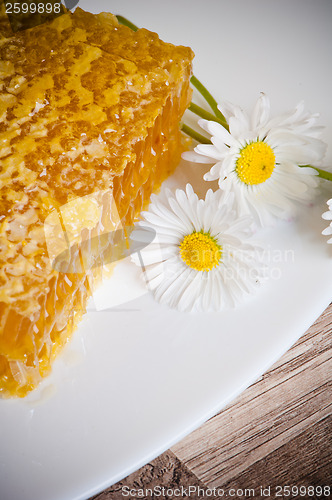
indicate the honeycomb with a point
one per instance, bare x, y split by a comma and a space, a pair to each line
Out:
89, 128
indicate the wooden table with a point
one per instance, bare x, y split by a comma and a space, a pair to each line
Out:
277, 433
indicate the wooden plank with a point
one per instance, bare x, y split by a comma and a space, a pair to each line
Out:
166, 471
293, 395
304, 461
278, 432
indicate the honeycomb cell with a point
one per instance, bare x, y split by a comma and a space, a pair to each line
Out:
86, 106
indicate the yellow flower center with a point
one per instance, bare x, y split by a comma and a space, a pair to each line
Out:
200, 251
255, 163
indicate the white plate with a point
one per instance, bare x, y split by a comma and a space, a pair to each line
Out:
138, 378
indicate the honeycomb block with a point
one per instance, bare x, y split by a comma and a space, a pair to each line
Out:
88, 108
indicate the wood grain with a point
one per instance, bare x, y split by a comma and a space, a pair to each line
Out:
293, 395
277, 432
304, 460
166, 471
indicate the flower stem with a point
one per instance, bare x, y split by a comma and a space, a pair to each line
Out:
217, 117
195, 135
126, 22
205, 114
323, 174
208, 97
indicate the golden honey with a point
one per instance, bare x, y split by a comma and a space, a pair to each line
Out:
87, 108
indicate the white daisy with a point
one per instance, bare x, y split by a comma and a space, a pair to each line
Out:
259, 158
328, 216
200, 258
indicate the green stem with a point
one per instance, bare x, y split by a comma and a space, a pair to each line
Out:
206, 115
195, 135
323, 174
217, 117
208, 97
126, 22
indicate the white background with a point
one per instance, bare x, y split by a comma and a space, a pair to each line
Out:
140, 377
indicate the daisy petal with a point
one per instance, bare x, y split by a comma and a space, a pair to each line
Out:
196, 157
215, 129
210, 151
262, 159
261, 112
186, 265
